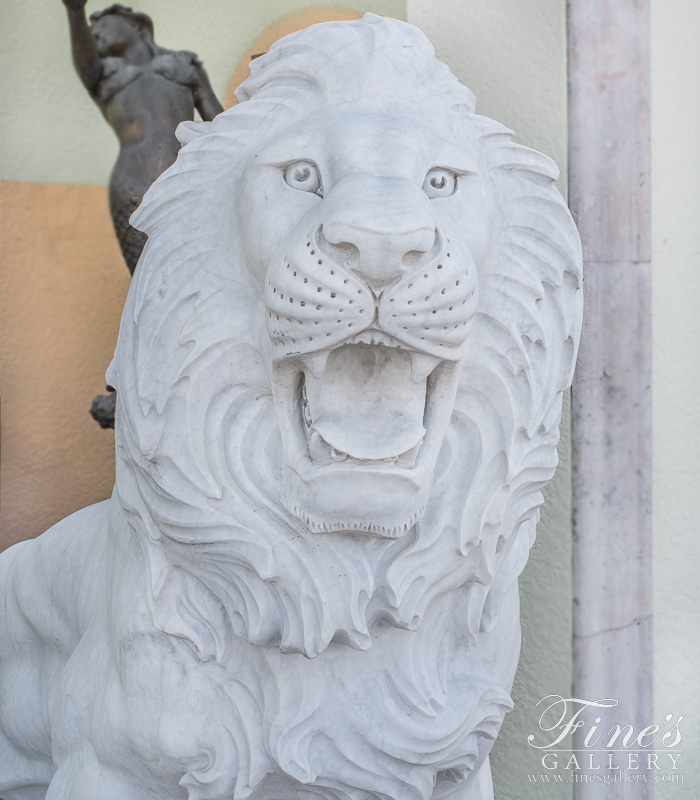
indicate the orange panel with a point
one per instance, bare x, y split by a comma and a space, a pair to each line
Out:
62, 288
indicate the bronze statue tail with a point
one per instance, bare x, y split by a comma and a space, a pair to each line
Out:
122, 205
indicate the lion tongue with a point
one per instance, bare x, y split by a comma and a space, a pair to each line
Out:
366, 404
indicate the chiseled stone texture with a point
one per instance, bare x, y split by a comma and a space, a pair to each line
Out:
340, 376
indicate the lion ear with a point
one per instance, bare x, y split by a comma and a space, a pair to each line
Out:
189, 131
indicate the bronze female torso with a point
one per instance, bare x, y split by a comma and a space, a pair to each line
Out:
144, 92
146, 130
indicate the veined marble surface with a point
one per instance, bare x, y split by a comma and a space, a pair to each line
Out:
340, 373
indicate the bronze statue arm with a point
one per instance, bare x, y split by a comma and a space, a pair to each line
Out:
205, 100
85, 55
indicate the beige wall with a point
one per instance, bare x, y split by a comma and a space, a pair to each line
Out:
676, 385
62, 288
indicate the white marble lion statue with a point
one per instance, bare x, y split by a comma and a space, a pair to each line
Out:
340, 373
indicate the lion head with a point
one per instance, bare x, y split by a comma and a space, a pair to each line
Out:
341, 362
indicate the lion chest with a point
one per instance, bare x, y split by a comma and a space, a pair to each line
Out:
224, 728
390, 720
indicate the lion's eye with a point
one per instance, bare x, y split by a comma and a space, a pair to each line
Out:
439, 183
303, 175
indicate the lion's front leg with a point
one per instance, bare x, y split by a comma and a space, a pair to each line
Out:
82, 777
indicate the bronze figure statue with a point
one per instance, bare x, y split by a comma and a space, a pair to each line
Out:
144, 91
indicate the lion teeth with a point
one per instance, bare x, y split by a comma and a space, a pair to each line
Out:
374, 337
408, 459
319, 450
316, 363
422, 365
305, 407
318, 526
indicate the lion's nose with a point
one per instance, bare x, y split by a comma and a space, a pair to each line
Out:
380, 236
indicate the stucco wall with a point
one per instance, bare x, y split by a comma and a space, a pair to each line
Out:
62, 288
512, 55
676, 385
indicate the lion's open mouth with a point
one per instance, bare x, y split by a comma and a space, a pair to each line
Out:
363, 424
366, 402
364, 377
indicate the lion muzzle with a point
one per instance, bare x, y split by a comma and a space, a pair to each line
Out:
389, 232
367, 310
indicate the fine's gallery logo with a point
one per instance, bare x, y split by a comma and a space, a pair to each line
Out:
585, 740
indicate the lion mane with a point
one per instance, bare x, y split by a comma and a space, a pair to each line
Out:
199, 451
